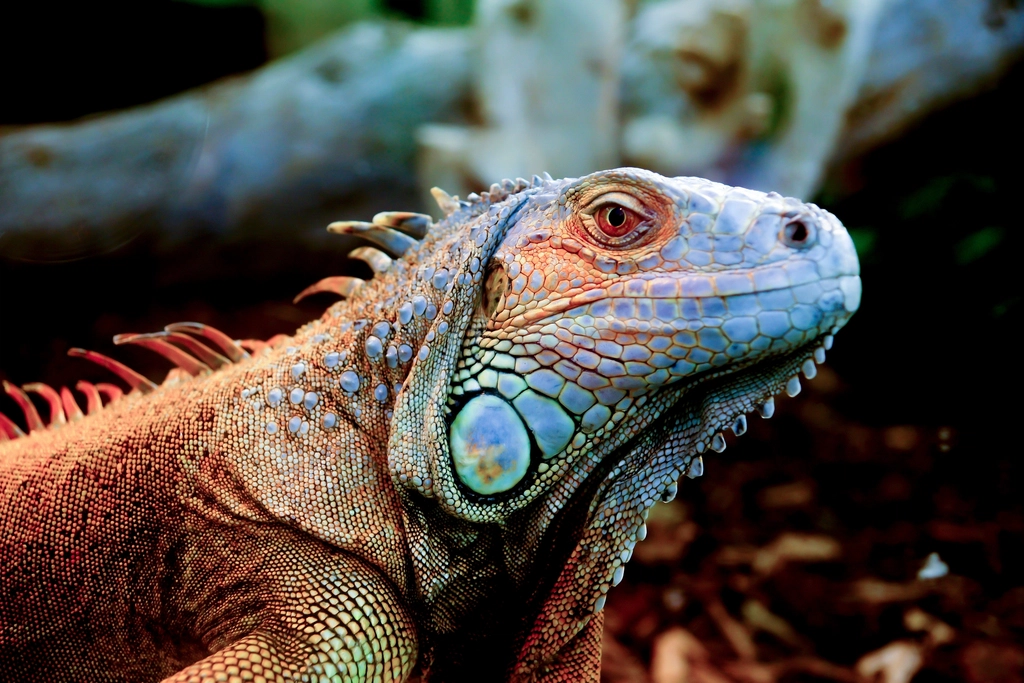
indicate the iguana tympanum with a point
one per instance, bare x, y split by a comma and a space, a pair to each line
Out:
442, 476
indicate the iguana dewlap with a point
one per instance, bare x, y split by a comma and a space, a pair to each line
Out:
443, 475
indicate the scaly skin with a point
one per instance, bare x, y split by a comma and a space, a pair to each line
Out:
445, 473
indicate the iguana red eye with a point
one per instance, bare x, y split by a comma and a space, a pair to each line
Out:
616, 221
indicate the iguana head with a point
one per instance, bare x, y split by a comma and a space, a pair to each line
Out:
592, 308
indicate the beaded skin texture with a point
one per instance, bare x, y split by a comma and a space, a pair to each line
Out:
441, 477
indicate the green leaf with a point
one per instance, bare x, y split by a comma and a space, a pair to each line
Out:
927, 199
449, 12
977, 245
930, 198
863, 241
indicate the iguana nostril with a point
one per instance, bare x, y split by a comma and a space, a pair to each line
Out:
797, 234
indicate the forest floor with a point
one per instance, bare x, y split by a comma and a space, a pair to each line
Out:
803, 554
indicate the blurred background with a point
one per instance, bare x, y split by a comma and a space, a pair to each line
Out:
170, 160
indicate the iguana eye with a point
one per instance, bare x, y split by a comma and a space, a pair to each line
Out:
615, 220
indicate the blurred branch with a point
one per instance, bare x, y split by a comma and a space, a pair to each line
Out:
762, 93
279, 148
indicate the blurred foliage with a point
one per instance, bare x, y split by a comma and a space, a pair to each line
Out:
293, 24
979, 244
449, 12
864, 239
933, 216
930, 197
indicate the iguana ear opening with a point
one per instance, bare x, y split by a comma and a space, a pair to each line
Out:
419, 452
495, 287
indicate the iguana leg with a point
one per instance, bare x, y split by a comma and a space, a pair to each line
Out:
323, 616
579, 660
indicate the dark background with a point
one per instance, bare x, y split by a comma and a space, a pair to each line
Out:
908, 442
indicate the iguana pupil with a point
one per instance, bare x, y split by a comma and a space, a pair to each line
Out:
616, 216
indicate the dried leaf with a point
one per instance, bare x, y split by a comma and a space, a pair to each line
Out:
793, 494
673, 652
760, 618
668, 535
735, 633
794, 547
751, 672
878, 592
939, 632
897, 662
619, 664
992, 663
819, 668
679, 657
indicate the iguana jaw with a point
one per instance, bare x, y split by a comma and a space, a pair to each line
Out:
688, 419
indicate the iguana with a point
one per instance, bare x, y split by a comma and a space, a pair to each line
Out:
443, 475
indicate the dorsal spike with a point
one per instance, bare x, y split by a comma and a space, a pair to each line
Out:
132, 378
52, 398
253, 345
197, 348
93, 400
378, 261
396, 242
278, 340
176, 376
496, 192
342, 285
111, 392
32, 419
225, 343
546, 176
522, 184
446, 202
71, 408
536, 181
8, 429
161, 346
413, 224
472, 197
